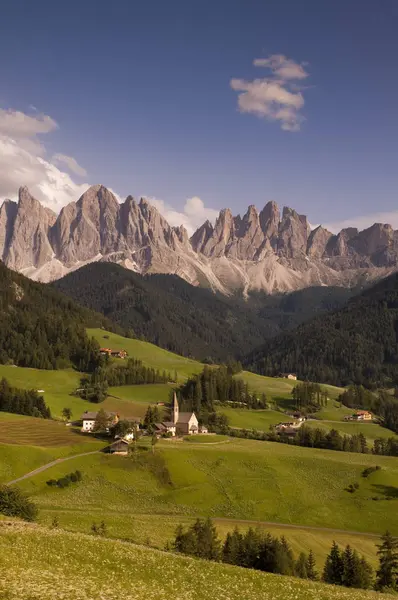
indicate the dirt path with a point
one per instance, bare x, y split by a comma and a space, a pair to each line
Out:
294, 526
49, 465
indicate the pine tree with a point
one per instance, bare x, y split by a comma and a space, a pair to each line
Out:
311, 566
349, 566
387, 574
300, 567
333, 569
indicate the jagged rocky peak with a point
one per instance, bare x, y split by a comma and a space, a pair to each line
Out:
201, 236
293, 234
318, 241
29, 245
269, 220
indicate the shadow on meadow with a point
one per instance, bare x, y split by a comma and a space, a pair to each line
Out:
389, 491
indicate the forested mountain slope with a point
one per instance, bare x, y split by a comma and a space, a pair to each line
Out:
42, 328
189, 320
357, 343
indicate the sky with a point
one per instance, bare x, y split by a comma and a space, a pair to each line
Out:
201, 105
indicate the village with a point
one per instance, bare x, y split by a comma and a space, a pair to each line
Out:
181, 424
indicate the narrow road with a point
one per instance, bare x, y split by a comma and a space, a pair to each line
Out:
49, 465
295, 526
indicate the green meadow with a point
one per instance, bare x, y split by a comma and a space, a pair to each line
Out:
151, 355
370, 430
51, 563
235, 479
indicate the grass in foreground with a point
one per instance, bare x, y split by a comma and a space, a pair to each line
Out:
47, 564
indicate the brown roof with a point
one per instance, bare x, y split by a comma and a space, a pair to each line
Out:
168, 424
184, 417
91, 416
160, 426
119, 441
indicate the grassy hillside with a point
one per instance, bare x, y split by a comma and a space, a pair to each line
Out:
129, 401
47, 563
151, 355
238, 479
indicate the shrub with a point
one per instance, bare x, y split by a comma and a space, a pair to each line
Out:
51, 482
369, 470
63, 482
15, 503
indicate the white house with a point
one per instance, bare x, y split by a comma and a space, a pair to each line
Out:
88, 419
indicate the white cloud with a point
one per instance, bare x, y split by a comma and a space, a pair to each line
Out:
283, 67
70, 162
193, 215
22, 161
365, 221
275, 98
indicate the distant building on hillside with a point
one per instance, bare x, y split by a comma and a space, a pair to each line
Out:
113, 353
89, 418
288, 376
360, 415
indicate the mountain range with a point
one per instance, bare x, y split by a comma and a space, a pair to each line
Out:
266, 250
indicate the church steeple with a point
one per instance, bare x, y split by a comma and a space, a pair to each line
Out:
175, 409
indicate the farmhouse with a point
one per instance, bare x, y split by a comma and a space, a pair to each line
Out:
165, 427
288, 376
88, 419
119, 447
362, 415
114, 353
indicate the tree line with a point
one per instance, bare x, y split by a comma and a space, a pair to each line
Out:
213, 385
94, 387
308, 437
22, 402
256, 549
133, 372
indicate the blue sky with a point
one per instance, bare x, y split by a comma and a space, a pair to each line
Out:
141, 96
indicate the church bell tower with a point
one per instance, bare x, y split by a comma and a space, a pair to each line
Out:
175, 409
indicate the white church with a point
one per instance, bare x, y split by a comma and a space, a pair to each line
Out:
182, 423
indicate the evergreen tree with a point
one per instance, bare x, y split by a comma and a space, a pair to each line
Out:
101, 421
387, 573
334, 567
311, 566
300, 567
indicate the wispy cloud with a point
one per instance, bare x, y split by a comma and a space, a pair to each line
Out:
70, 162
365, 221
276, 97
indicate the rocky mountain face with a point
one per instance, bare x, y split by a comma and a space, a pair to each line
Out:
259, 251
